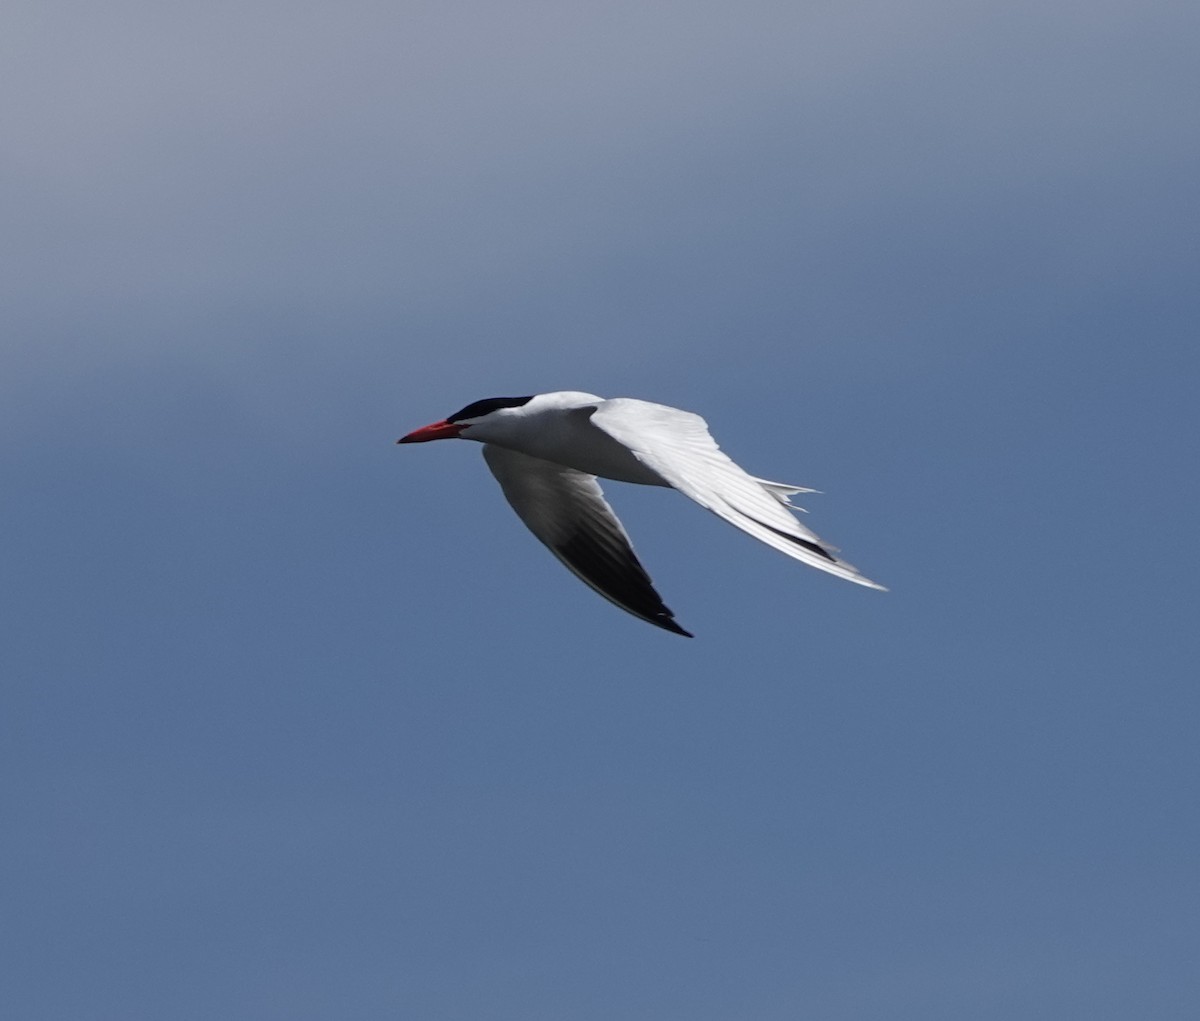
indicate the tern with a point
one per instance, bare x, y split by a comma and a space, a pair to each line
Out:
547, 451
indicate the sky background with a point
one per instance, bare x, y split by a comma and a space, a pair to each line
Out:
298, 724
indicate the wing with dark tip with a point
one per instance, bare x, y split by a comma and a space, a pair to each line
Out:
567, 511
677, 446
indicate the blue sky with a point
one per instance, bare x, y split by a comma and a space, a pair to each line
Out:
299, 724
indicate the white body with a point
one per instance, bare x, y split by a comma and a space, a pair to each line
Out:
558, 427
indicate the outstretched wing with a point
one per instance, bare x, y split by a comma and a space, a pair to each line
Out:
677, 445
567, 511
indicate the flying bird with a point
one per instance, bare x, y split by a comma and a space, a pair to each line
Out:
547, 451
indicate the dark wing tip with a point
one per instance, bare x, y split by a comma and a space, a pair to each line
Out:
670, 625
812, 547
616, 573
